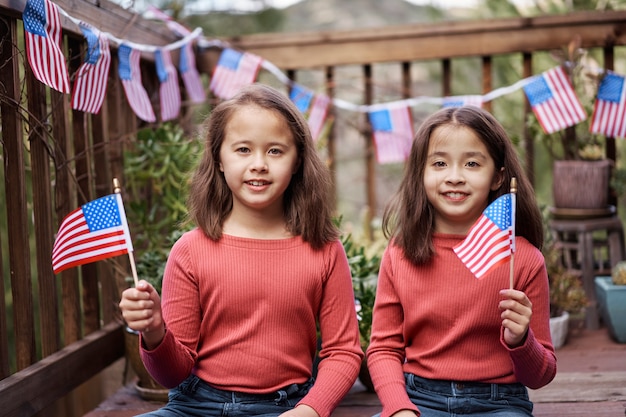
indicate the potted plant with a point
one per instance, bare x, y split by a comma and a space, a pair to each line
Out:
364, 260
611, 296
578, 156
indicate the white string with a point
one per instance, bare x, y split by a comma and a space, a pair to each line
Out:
282, 77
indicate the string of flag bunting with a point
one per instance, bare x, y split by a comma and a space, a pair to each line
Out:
551, 95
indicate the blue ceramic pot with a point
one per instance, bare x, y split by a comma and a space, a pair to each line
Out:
612, 304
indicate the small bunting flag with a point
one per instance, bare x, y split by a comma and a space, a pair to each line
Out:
189, 74
91, 78
460, 101
130, 74
169, 91
317, 115
234, 70
609, 112
301, 97
554, 101
43, 44
393, 133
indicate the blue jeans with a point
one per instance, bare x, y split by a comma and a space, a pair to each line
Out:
436, 398
194, 397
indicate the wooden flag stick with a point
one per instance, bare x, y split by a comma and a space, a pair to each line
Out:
117, 189
513, 202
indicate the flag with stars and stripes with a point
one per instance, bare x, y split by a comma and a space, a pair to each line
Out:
554, 101
130, 74
317, 115
96, 230
91, 78
189, 74
234, 71
301, 97
460, 101
393, 133
313, 106
609, 112
169, 91
491, 240
42, 28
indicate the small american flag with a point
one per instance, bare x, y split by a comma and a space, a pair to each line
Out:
609, 112
168, 91
491, 240
317, 115
234, 70
189, 74
460, 101
91, 78
130, 74
301, 97
43, 44
393, 133
94, 231
554, 101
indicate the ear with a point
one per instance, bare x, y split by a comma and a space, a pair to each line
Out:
221, 166
498, 178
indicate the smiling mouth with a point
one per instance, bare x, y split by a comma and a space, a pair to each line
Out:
257, 183
455, 195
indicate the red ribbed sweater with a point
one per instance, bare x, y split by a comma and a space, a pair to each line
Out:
241, 314
448, 323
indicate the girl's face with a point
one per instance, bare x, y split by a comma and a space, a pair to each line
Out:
258, 158
458, 177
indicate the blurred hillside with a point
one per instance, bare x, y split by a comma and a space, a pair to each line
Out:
320, 15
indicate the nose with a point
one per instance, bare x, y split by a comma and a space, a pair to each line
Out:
259, 162
455, 175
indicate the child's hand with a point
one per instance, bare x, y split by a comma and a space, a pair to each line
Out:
516, 313
141, 310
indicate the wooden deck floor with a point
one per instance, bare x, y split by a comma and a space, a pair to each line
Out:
591, 381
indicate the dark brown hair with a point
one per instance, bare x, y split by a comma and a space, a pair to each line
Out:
409, 217
307, 202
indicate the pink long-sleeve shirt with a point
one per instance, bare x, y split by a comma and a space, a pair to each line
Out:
447, 324
241, 314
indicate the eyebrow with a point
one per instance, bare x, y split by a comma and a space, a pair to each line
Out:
474, 154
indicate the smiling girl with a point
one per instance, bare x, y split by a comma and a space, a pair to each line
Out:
443, 342
244, 293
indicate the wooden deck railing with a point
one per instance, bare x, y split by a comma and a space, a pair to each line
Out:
56, 332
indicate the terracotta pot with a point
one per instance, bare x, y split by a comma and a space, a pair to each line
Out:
146, 386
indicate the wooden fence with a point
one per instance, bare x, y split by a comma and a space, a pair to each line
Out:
63, 330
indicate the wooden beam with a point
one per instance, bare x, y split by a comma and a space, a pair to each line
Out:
29, 391
436, 41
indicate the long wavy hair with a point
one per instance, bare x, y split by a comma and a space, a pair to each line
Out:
307, 202
409, 218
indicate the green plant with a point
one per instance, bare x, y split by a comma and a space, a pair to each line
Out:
618, 181
364, 260
155, 172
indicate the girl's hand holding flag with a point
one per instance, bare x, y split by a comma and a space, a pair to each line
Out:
141, 310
